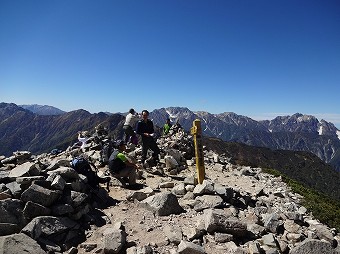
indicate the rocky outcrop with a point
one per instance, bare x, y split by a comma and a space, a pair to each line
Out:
49, 207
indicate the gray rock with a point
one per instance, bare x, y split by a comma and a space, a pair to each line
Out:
4, 175
62, 209
40, 195
216, 221
163, 204
170, 162
55, 228
5, 195
271, 222
223, 238
324, 233
58, 183
32, 210
25, 169
207, 187
11, 211
15, 189
57, 163
313, 247
173, 233
179, 189
67, 173
208, 201
19, 243
9, 228
27, 180
114, 240
78, 198
190, 248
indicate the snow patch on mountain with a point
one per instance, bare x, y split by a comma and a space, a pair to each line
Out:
338, 133
320, 130
304, 118
171, 115
206, 125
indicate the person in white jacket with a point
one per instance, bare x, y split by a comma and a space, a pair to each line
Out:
129, 125
83, 138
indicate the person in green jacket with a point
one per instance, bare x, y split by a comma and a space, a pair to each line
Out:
167, 126
120, 166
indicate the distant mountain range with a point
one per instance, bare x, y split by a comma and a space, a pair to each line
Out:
297, 132
43, 109
21, 128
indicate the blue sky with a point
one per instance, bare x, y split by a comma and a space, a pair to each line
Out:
258, 58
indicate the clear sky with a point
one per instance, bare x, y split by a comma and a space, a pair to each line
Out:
258, 58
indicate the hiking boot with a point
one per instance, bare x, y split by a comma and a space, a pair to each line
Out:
136, 186
105, 179
155, 160
139, 175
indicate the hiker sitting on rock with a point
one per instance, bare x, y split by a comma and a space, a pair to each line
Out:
120, 166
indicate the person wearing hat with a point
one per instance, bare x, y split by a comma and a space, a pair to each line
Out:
120, 166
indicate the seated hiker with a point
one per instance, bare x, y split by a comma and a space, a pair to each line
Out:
167, 126
120, 166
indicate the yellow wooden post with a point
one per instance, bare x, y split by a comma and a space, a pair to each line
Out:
196, 130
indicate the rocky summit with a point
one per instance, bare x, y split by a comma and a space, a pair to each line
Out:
47, 207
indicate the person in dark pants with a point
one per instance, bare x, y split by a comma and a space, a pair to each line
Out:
120, 166
146, 130
129, 125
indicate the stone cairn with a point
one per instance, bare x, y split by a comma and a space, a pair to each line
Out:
47, 207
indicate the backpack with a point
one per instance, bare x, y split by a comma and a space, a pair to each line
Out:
105, 153
83, 166
134, 140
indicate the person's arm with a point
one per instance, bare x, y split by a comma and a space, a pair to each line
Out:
130, 164
148, 129
123, 158
82, 139
139, 128
151, 127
